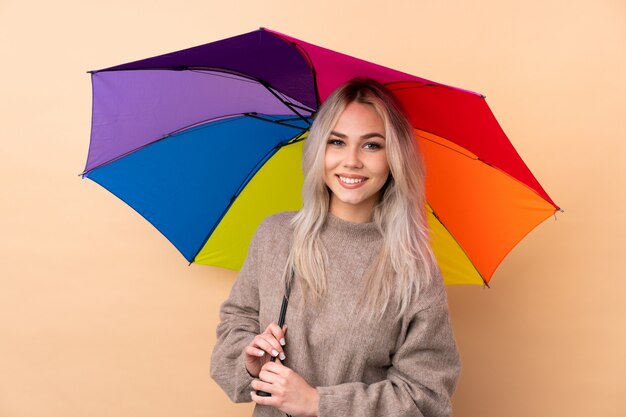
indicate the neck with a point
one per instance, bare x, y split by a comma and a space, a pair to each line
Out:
353, 217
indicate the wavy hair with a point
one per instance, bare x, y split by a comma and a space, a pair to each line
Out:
406, 260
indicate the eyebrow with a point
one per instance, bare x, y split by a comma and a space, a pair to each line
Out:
366, 136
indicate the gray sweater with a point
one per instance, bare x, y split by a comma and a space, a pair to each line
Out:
398, 368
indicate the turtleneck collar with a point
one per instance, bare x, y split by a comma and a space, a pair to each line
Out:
340, 228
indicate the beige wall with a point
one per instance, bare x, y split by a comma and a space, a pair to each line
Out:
100, 315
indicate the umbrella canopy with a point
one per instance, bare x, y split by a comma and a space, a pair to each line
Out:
206, 142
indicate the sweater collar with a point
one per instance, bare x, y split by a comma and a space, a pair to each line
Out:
336, 226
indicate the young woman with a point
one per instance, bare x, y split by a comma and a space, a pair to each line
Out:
367, 330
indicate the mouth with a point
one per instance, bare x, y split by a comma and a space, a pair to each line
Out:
351, 180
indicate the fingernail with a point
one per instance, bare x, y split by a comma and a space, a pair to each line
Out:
274, 353
282, 356
261, 353
282, 341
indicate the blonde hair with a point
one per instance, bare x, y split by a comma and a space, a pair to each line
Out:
406, 260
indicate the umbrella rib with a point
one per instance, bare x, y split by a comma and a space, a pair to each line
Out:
287, 98
301, 107
308, 60
478, 159
431, 84
219, 72
204, 70
287, 103
224, 71
432, 210
449, 147
224, 118
243, 185
253, 80
255, 115
262, 161
313, 72
203, 122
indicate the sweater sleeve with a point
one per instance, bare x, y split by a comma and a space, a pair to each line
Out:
239, 324
420, 380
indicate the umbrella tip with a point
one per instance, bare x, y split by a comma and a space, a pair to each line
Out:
483, 96
558, 209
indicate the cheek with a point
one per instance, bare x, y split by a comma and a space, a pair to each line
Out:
381, 165
330, 160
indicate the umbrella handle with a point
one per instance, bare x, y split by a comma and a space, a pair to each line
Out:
281, 322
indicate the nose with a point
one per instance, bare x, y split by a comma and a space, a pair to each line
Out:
353, 158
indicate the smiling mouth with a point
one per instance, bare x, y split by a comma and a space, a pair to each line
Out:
347, 180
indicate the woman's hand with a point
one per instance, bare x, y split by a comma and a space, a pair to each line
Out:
263, 346
290, 392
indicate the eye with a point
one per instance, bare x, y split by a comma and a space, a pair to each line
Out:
372, 145
336, 142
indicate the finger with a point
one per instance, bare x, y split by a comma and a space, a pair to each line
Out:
261, 400
270, 346
284, 340
260, 385
277, 332
274, 367
271, 377
254, 351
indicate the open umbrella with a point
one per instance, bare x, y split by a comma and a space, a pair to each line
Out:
206, 142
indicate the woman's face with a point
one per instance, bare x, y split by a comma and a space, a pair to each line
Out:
356, 166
